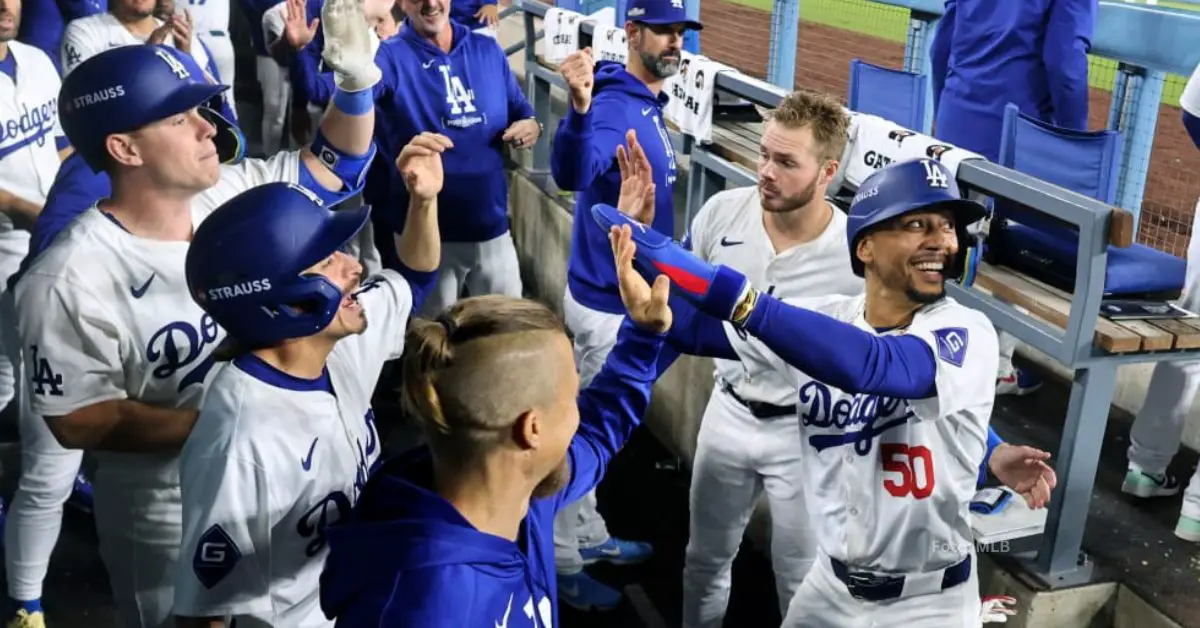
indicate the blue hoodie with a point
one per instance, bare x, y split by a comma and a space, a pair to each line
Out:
987, 54
469, 95
584, 160
407, 558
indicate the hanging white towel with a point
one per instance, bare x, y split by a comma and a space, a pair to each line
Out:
561, 34
608, 44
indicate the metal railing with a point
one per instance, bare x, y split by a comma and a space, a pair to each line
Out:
1058, 561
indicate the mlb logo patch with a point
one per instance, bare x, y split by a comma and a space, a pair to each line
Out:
951, 344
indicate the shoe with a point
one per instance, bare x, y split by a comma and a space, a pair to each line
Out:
1188, 529
583, 592
25, 619
617, 552
1141, 484
81, 494
1019, 382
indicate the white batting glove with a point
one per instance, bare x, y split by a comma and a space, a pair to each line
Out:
348, 46
996, 609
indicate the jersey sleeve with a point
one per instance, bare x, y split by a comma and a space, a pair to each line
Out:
225, 556
1190, 100
966, 352
78, 45
754, 353
283, 167
72, 346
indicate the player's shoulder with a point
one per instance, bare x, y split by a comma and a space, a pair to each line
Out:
839, 306
77, 255
34, 58
958, 330
725, 208
89, 23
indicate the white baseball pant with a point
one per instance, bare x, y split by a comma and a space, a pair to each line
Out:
14, 245
1158, 427
221, 48
579, 524
140, 529
489, 267
738, 456
823, 601
277, 100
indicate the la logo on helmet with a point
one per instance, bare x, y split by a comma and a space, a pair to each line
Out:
934, 175
176, 65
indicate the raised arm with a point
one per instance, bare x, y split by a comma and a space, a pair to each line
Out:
586, 141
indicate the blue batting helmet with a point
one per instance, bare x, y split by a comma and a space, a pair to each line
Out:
123, 89
245, 265
908, 186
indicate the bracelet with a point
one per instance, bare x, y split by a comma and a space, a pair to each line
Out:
745, 305
354, 103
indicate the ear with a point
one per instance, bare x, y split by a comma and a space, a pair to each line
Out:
865, 251
528, 430
630, 29
829, 171
123, 149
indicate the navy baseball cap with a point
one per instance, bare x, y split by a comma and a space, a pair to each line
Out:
660, 12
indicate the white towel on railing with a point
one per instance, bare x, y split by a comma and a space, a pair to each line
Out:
561, 34
877, 142
608, 44
692, 92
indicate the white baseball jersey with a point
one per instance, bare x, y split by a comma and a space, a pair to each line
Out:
29, 128
208, 15
88, 36
1190, 99
103, 314
891, 480
274, 460
729, 230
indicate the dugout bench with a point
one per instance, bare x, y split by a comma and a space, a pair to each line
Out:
1065, 325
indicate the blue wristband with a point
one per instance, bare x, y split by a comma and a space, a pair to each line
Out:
354, 103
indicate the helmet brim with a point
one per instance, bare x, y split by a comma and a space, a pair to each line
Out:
342, 227
187, 97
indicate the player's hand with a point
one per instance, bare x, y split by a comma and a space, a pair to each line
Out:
647, 305
1024, 470
488, 14
420, 164
522, 133
296, 32
159, 35
996, 609
181, 30
578, 70
636, 199
349, 45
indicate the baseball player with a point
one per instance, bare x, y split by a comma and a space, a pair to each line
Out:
1158, 427
116, 352
788, 240
607, 100
49, 472
127, 23
894, 389
459, 533
286, 437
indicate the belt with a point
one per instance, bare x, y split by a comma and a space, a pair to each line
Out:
760, 409
878, 588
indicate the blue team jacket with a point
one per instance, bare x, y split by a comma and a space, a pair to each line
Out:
407, 558
1032, 53
584, 160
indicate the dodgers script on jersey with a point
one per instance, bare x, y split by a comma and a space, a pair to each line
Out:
104, 314
890, 480
729, 230
274, 460
28, 129
88, 36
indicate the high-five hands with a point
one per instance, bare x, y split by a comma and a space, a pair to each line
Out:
647, 305
420, 164
636, 199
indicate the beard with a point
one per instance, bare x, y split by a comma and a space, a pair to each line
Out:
659, 65
554, 482
785, 204
924, 298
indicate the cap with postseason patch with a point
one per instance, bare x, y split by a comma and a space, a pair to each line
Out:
660, 12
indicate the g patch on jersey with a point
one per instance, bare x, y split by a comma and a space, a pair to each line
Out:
951, 344
216, 556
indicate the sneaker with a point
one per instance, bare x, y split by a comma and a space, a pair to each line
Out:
1018, 382
617, 552
583, 592
1188, 529
1142, 484
25, 619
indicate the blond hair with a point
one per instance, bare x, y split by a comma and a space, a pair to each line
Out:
822, 114
471, 372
